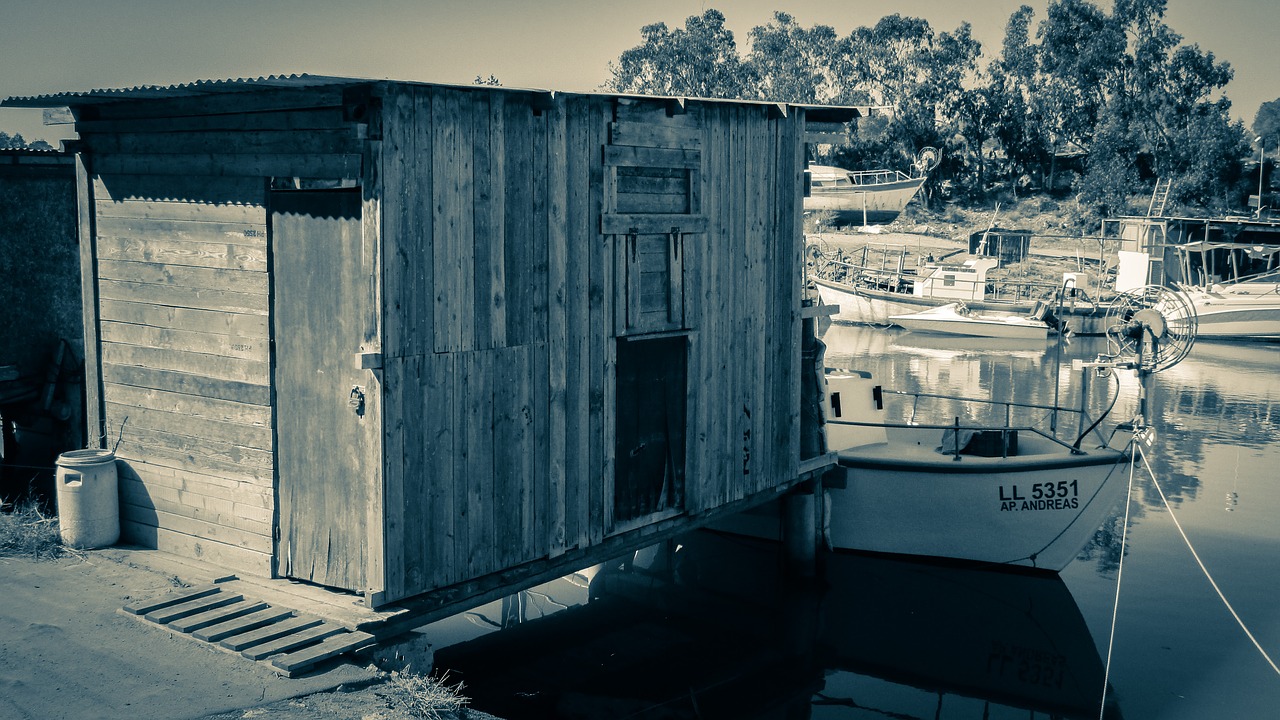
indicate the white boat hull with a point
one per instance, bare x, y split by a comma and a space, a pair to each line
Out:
1034, 510
866, 204
946, 320
1238, 314
901, 491
868, 306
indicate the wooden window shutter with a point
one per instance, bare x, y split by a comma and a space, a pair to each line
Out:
652, 206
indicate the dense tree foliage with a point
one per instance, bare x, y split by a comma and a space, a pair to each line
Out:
17, 142
1088, 101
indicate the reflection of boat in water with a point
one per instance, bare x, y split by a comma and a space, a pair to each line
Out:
959, 319
990, 494
1008, 638
866, 197
708, 627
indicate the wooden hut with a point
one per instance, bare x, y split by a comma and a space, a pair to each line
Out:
407, 339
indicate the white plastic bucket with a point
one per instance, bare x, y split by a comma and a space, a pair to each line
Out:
88, 507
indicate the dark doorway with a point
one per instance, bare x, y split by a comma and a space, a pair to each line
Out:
650, 454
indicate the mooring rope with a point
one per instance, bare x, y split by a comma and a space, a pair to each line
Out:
1204, 569
1115, 608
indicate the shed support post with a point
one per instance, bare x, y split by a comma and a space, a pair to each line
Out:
803, 528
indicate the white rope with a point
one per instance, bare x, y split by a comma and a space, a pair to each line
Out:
1115, 608
1205, 570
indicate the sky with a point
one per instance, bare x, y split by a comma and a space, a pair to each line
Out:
51, 46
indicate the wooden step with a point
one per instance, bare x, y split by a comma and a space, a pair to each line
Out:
275, 637
269, 633
166, 615
295, 662
142, 607
243, 624
195, 622
293, 641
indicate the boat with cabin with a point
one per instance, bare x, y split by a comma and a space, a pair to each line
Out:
1244, 302
866, 197
987, 493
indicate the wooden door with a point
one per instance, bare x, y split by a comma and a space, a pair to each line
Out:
318, 304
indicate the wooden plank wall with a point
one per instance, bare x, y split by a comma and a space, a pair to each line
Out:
500, 341
178, 195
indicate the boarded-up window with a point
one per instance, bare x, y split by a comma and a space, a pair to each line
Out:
652, 208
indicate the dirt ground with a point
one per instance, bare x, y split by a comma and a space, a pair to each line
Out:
66, 651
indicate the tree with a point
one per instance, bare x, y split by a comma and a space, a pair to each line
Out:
1266, 124
17, 142
1012, 88
796, 65
699, 60
1080, 48
1165, 96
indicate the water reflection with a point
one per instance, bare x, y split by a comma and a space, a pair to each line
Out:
708, 627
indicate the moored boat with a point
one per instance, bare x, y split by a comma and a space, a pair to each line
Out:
998, 495
958, 319
983, 495
1245, 305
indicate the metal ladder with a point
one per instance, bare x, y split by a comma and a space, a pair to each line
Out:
1159, 196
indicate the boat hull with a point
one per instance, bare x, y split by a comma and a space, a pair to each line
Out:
868, 306
945, 321
866, 204
1030, 511
1245, 318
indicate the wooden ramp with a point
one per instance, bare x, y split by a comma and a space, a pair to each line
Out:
288, 642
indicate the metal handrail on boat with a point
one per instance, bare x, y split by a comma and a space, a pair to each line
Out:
1084, 417
897, 278
957, 427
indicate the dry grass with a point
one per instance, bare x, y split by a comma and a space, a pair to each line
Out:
27, 532
426, 697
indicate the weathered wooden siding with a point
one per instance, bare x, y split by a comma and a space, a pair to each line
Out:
180, 226
506, 219
512, 240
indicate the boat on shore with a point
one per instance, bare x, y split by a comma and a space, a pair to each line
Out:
866, 197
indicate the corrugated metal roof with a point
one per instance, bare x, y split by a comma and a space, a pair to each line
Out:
193, 89
817, 113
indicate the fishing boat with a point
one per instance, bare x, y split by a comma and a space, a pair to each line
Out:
974, 494
869, 289
987, 494
866, 197
1244, 305
957, 319
991, 494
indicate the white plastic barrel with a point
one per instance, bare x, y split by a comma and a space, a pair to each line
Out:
88, 507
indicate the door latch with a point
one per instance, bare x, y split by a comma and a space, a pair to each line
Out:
356, 400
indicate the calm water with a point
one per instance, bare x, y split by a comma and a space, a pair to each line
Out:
706, 627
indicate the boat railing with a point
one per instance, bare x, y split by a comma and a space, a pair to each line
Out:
893, 275
956, 448
877, 177
1055, 412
